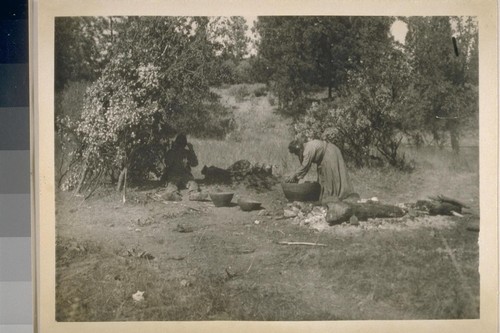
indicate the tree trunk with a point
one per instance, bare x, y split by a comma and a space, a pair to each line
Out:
94, 184
82, 180
339, 212
120, 179
124, 196
454, 140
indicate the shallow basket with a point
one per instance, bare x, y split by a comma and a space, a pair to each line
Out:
222, 199
248, 205
301, 192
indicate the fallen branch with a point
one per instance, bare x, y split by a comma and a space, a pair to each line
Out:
456, 214
280, 232
436, 207
248, 269
342, 211
203, 234
301, 243
443, 198
189, 207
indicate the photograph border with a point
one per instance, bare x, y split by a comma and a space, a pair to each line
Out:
43, 184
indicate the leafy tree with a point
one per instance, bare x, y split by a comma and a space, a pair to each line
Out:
367, 117
298, 54
156, 82
445, 94
81, 48
388, 92
229, 34
284, 56
68, 106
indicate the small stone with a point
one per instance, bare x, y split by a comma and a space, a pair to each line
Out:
354, 220
138, 296
263, 213
198, 196
256, 222
289, 213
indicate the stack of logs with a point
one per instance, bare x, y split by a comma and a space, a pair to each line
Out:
241, 172
342, 211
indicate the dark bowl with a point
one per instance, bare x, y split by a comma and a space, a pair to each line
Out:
222, 199
301, 192
248, 205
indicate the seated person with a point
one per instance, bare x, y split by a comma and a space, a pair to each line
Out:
178, 162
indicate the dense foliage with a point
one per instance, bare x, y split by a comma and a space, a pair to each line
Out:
156, 81
126, 85
380, 92
444, 87
300, 54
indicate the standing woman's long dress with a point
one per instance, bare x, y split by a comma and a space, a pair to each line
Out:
332, 172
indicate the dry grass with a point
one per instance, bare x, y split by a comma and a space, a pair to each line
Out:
373, 274
263, 136
260, 136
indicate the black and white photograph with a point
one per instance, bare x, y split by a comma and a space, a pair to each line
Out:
254, 167
266, 168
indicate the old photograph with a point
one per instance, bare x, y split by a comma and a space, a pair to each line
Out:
266, 168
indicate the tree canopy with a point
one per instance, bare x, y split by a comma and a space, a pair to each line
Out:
153, 78
444, 88
146, 78
379, 90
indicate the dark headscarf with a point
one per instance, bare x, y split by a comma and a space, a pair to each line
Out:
296, 146
181, 140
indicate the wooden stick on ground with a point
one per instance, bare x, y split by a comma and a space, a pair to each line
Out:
453, 201
342, 211
301, 243
456, 214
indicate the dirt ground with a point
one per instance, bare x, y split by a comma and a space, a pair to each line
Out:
194, 261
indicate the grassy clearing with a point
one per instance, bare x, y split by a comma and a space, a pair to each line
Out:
231, 268
262, 136
373, 275
437, 172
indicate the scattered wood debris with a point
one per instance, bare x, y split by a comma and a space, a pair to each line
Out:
142, 254
301, 243
183, 229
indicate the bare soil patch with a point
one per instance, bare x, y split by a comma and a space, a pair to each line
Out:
194, 261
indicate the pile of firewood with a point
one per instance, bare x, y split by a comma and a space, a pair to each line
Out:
244, 172
341, 211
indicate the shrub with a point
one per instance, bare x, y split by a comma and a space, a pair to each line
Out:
342, 126
370, 113
352, 129
68, 109
239, 92
272, 100
213, 120
260, 91
243, 72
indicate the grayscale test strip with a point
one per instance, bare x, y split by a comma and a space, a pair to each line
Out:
15, 226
